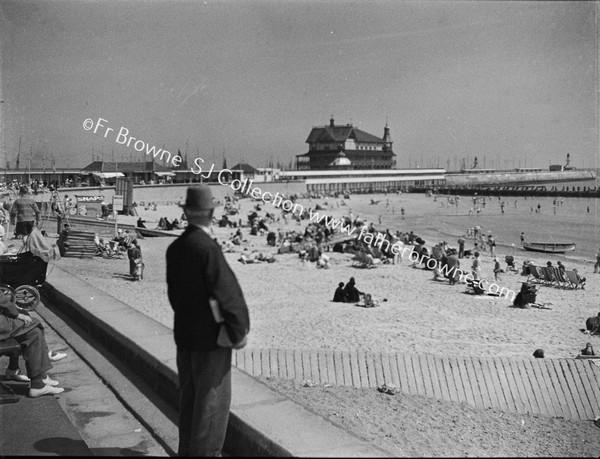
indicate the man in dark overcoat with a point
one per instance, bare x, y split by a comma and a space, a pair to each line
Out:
196, 273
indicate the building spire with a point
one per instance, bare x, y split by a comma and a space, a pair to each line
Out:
331, 122
386, 134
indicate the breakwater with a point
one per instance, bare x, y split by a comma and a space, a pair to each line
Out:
512, 178
572, 192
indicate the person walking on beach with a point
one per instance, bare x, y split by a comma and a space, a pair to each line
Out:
497, 269
136, 263
522, 238
492, 245
25, 212
461, 247
476, 266
198, 278
597, 265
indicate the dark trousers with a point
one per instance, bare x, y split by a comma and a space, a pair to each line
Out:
205, 398
23, 228
34, 349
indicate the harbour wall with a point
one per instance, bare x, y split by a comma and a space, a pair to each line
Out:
516, 178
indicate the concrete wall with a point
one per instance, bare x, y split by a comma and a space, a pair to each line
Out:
177, 192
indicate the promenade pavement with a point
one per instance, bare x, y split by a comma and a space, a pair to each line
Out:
87, 419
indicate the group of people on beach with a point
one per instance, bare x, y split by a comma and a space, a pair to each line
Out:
347, 293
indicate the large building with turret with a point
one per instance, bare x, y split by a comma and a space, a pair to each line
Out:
342, 147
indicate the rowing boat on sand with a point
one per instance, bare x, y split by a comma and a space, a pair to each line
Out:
549, 247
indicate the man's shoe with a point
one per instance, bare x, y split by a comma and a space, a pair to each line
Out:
49, 381
56, 356
15, 375
46, 390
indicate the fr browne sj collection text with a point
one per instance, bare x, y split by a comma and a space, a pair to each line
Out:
123, 137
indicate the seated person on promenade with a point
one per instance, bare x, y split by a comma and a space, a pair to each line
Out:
140, 223
339, 296
29, 333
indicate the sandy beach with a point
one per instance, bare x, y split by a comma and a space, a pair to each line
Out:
290, 301
291, 308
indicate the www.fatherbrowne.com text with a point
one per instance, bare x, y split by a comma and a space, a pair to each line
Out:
123, 137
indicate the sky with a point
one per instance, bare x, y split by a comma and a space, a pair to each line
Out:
513, 83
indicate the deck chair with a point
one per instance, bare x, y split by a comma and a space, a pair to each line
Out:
546, 275
361, 260
358, 258
575, 280
561, 279
534, 274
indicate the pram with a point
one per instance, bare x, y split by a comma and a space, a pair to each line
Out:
21, 274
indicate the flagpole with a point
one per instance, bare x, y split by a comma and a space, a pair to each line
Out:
29, 166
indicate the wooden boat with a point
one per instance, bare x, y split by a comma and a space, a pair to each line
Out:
549, 247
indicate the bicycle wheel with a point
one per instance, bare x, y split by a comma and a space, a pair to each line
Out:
27, 297
9, 291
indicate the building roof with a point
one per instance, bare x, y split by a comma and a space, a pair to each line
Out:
125, 167
245, 168
329, 134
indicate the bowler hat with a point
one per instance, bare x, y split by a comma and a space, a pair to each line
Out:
199, 197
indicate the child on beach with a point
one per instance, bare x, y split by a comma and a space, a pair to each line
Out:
497, 269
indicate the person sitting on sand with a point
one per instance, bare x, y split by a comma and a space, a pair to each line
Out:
580, 280
314, 253
351, 293
588, 350
227, 246
323, 261
339, 296
140, 223
592, 324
